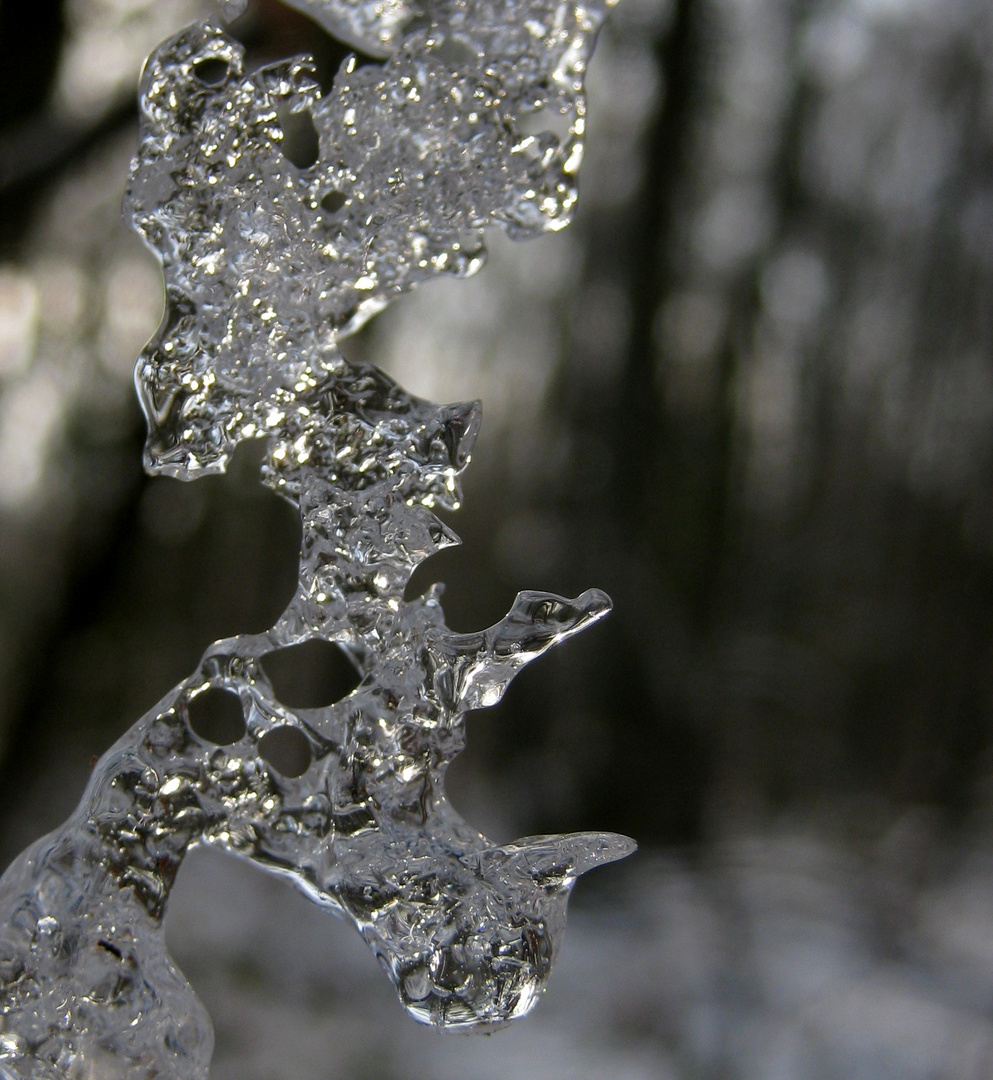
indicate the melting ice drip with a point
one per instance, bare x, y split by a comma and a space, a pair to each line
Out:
267, 264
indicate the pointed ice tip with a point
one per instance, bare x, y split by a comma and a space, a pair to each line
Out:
442, 536
596, 602
592, 849
567, 856
559, 614
462, 423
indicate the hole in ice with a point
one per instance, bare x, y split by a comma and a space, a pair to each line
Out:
311, 675
287, 750
211, 71
216, 715
229, 920
546, 120
333, 201
455, 53
300, 144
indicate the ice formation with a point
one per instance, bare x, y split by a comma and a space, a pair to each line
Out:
283, 219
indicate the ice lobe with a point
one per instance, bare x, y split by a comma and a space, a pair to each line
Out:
268, 258
285, 218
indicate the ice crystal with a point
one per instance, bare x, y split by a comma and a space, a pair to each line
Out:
283, 219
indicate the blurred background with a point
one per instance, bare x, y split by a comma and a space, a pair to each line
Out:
749, 393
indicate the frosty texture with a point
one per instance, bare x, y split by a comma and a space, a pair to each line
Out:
264, 269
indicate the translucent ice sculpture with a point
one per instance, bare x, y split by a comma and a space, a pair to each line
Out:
283, 219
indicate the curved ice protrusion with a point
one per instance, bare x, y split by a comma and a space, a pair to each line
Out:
554, 862
484, 663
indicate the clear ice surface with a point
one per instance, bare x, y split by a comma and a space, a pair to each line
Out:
283, 219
